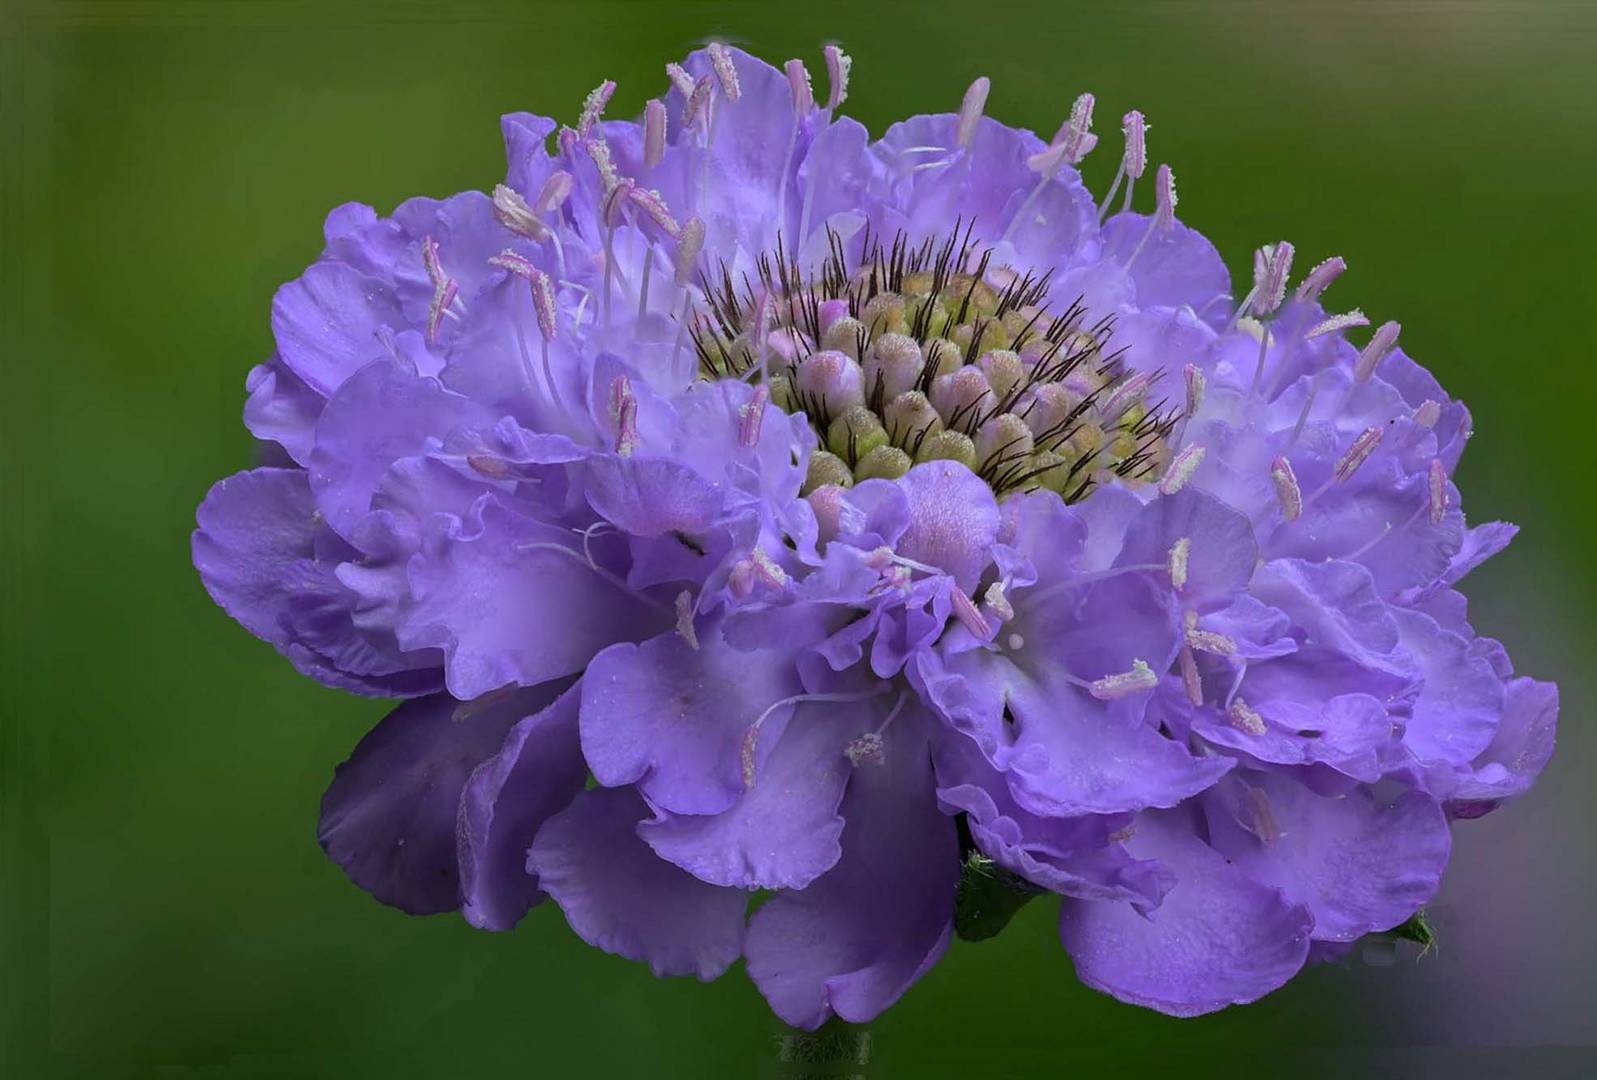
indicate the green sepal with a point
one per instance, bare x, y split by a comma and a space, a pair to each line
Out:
1417, 929
988, 897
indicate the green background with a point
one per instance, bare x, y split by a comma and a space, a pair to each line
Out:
166, 911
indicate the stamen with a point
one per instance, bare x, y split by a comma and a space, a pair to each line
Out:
997, 599
1181, 469
1076, 136
654, 205
553, 194
624, 412
614, 201
543, 303
725, 71
838, 66
653, 133
1164, 188
969, 617
1245, 718
1207, 640
1270, 276
1136, 156
1191, 680
751, 737
798, 78
970, 111
1315, 281
1337, 322
593, 107
867, 749
516, 215
1265, 827
766, 569
751, 417
513, 262
1287, 492
443, 296
698, 109
680, 79
1428, 413
1436, 486
684, 608
429, 259
599, 151
1362, 448
1113, 687
689, 243
1180, 551
1370, 357
1196, 385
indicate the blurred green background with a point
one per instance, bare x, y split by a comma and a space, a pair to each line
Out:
166, 911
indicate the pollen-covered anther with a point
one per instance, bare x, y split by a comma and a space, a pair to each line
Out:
798, 81
726, 72
1176, 563
970, 111
1135, 128
1370, 357
684, 619
1245, 718
514, 262
680, 79
1315, 281
867, 749
969, 616
653, 132
443, 295
1164, 194
1206, 640
543, 303
1357, 453
1124, 684
599, 152
996, 600
593, 106
1191, 680
1181, 468
1287, 493
516, 214
1271, 270
654, 205
624, 414
690, 242
751, 417
697, 113
1346, 321
1428, 413
838, 66
1196, 386
766, 569
1075, 136
1436, 490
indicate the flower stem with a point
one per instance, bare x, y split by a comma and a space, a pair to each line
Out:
834, 1050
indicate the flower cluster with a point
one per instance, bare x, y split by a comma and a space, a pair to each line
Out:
744, 504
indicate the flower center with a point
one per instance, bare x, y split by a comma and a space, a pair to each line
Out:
913, 354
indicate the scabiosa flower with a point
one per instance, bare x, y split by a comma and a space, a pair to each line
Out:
744, 504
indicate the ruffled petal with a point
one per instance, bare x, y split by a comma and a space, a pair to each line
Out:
618, 895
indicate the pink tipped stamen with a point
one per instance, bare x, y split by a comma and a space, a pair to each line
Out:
970, 111
1287, 493
798, 80
1196, 384
429, 259
1113, 687
1428, 413
1335, 323
652, 204
751, 417
698, 111
838, 66
726, 72
1180, 553
515, 214
1181, 469
1164, 189
443, 295
624, 413
543, 303
599, 151
553, 194
512, 261
969, 616
766, 569
1370, 357
1135, 130
1436, 490
1362, 448
1315, 281
1270, 277
615, 201
1076, 136
680, 79
653, 133
593, 107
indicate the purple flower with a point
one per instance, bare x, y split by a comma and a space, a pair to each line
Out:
874, 523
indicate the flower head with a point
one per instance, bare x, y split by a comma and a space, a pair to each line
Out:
862, 515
